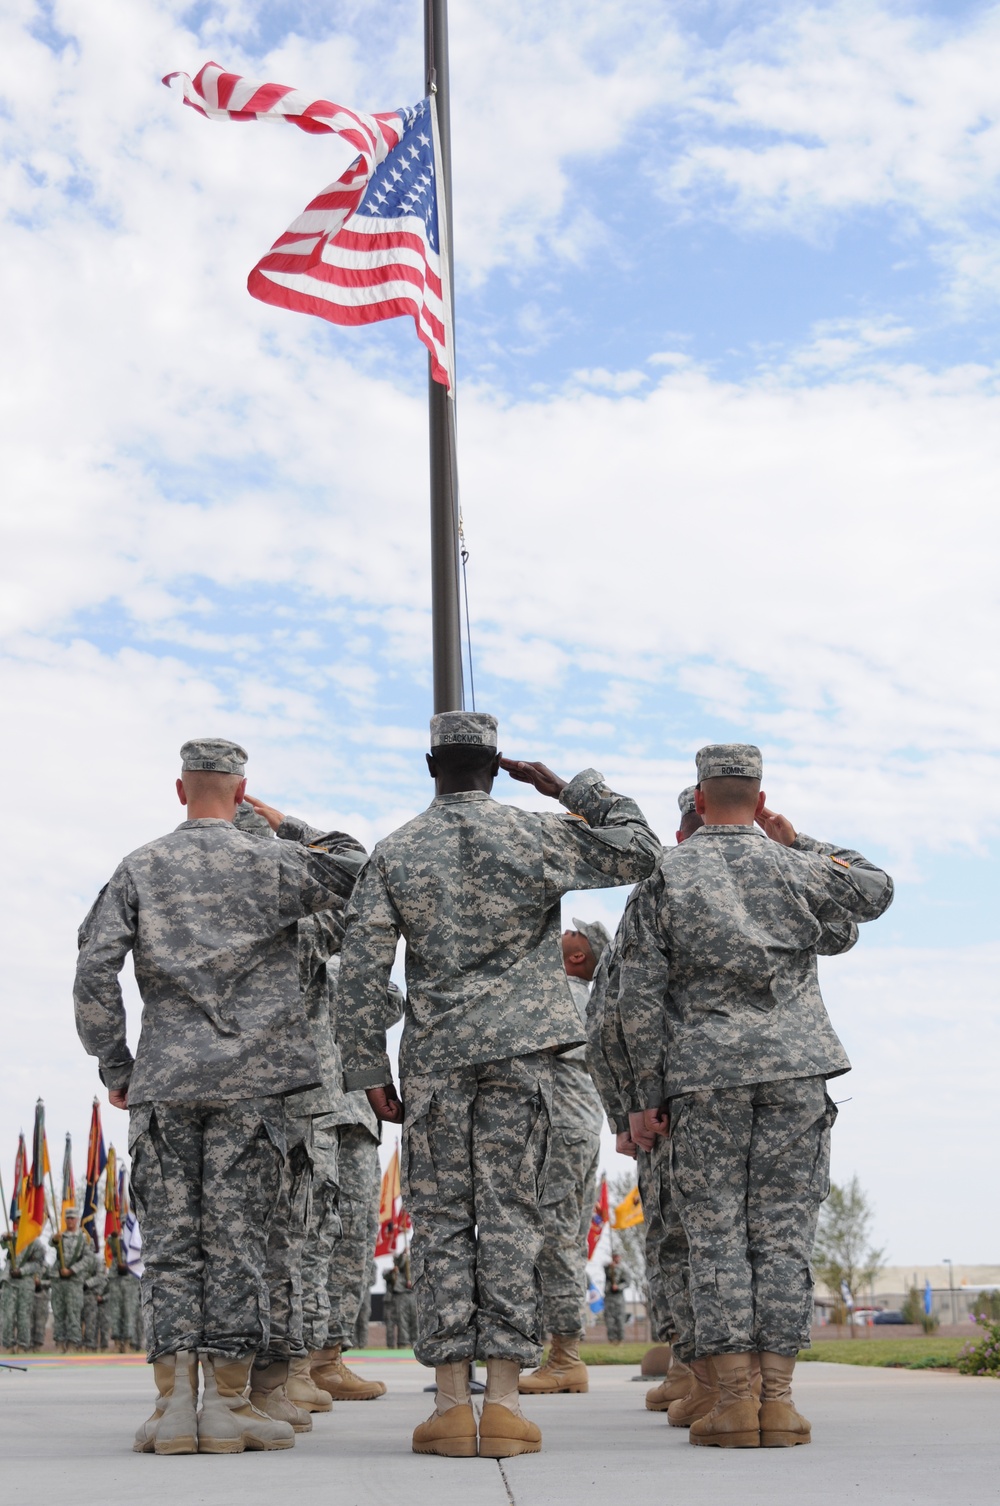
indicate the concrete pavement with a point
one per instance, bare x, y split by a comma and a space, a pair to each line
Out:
923, 1438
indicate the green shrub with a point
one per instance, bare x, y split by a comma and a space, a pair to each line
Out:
983, 1356
987, 1305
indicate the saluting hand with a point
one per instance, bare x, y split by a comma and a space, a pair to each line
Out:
545, 782
778, 828
273, 817
386, 1104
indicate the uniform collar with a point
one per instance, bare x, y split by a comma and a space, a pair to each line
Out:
204, 821
461, 796
727, 831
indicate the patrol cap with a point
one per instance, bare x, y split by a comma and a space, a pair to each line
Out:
729, 761
247, 820
685, 800
596, 934
469, 729
214, 755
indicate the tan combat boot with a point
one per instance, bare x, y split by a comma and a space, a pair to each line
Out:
269, 1394
503, 1431
675, 1386
450, 1431
563, 1369
227, 1423
303, 1391
329, 1371
781, 1426
164, 1374
701, 1396
733, 1421
176, 1432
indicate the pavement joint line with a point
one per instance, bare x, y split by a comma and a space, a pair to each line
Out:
506, 1483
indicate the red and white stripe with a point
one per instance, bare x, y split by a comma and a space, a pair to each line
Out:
349, 269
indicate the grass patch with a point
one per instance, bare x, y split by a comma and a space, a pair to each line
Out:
905, 1354
613, 1354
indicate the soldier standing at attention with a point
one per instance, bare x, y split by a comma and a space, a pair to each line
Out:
568, 1199
731, 1046
390, 1316
21, 1274
40, 1307
616, 1279
474, 887
210, 916
74, 1262
95, 1291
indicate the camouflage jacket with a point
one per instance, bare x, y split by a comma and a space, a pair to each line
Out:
77, 1252
607, 1056
30, 1262
616, 1279
576, 1107
718, 982
210, 916
474, 887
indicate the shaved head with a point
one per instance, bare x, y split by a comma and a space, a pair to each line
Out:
205, 784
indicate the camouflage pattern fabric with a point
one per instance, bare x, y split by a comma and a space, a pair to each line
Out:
566, 1206
389, 1311
718, 983
660, 1320
95, 1317
122, 1304
365, 1310
322, 1232
18, 1294
614, 1316
41, 1311
474, 886
67, 1291
670, 1253
358, 1208
286, 1241
568, 1198
205, 1182
749, 1168
475, 1146
209, 914
407, 1318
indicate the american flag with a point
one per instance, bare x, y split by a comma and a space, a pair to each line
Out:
368, 246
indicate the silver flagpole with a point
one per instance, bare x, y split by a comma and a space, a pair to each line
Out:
446, 628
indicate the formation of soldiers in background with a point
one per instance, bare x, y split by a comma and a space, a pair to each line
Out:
261, 1079
93, 1302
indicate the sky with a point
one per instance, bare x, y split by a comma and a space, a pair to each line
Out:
728, 297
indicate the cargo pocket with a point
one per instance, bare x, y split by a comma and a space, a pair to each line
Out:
417, 1171
821, 1164
533, 1170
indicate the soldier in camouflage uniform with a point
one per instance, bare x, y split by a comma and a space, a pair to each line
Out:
95, 1312
730, 1046
364, 1318
405, 1302
616, 1278
210, 916
121, 1286
568, 1200
41, 1308
474, 886
391, 1279
74, 1262
20, 1275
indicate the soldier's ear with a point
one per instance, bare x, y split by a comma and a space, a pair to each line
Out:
495, 766
431, 765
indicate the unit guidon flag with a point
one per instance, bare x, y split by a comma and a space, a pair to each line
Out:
367, 247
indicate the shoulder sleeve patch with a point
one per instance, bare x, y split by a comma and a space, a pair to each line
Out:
840, 862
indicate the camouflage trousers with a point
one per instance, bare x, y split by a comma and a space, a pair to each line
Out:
67, 1309
286, 1240
40, 1310
666, 1254
567, 1206
660, 1323
96, 1323
405, 1313
205, 1180
353, 1251
749, 1168
389, 1319
122, 1306
16, 1302
614, 1316
365, 1310
475, 1147
341, 1236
